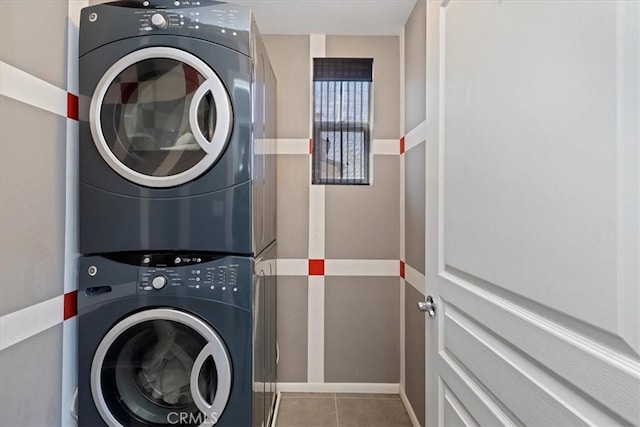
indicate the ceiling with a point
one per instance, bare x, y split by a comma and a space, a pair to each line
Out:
346, 17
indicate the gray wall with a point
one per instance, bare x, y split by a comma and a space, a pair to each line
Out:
415, 106
361, 330
31, 379
414, 180
289, 57
362, 319
415, 352
361, 222
32, 173
40, 51
386, 76
414, 206
415, 36
32, 212
292, 328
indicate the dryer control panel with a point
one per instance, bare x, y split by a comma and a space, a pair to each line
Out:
226, 279
218, 22
195, 18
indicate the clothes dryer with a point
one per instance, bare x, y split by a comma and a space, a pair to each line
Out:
177, 123
176, 339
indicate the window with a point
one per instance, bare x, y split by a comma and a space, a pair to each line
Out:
342, 120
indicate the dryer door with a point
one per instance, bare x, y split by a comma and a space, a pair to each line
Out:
160, 117
161, 367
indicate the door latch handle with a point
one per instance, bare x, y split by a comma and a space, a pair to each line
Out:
428, 306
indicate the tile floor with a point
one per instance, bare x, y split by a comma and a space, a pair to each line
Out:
341, 410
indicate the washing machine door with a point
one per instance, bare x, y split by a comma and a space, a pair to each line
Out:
160, 117
161, 367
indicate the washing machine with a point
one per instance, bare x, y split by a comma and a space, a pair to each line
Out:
176, 339
177, 127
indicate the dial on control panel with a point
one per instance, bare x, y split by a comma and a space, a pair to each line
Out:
159, 21
159, 282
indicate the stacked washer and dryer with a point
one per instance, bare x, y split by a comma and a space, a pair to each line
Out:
177, 216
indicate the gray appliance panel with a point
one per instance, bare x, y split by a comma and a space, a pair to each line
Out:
216, 222
265, 337
225, 279
211, 213
205, 21
118, 215
264, 156
232, 168
229, 314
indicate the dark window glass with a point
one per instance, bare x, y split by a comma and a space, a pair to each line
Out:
145, 117
342, 120
146, 374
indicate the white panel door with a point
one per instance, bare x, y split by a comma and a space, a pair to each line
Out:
532, 212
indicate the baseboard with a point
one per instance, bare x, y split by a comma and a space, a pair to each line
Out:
409, 408
339, 388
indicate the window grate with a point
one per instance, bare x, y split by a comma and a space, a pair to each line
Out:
342, 117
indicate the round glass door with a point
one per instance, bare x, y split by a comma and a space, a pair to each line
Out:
161, 367
160, 117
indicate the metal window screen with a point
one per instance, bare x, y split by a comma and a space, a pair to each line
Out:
341, 126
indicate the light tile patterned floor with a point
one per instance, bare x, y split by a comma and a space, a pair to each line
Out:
341, 410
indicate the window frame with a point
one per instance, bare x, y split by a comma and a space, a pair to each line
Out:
340, 127
324, 124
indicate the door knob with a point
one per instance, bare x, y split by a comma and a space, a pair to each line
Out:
428, 306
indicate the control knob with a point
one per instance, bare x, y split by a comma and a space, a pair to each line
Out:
159, 282
159, 21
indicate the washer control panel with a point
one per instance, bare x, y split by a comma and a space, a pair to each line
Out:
227, 279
